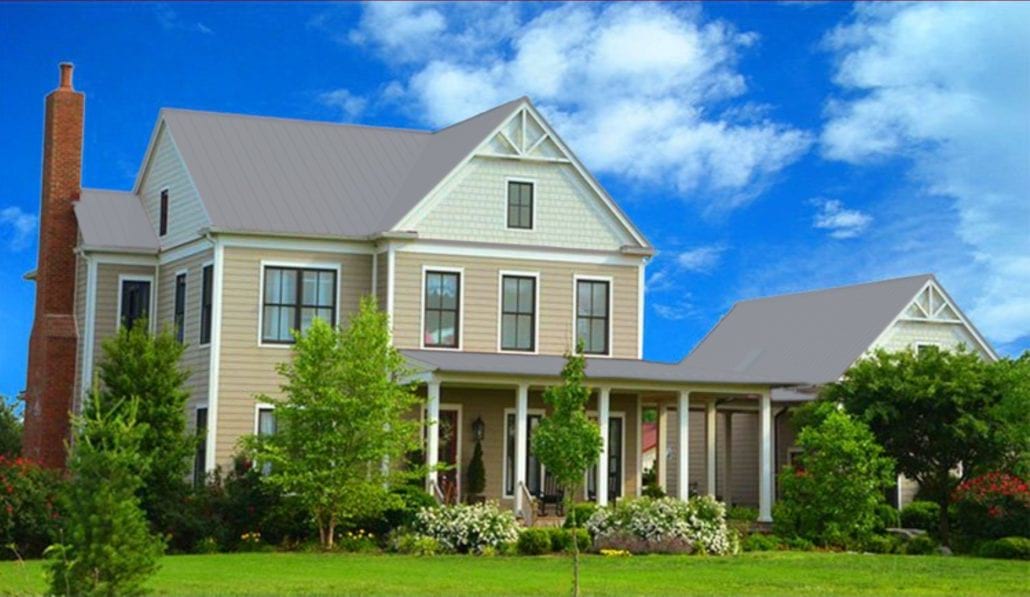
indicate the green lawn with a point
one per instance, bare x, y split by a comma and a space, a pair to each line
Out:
749, 574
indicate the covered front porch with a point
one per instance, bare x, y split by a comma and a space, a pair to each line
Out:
498, 398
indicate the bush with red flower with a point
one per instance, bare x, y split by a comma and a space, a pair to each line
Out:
28, 515
993, 505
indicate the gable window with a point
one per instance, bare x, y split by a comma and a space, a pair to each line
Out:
593, 315
205, 304
442, 308
180, 307
200, 456
293, 298
135, 301
518, 313
520, 205
163, 219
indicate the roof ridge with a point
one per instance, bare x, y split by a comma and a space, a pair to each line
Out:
925, 276
474, 116
308, 121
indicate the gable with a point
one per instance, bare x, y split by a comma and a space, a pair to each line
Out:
165, 169
569, 208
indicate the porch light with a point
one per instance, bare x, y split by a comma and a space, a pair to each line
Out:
477, 429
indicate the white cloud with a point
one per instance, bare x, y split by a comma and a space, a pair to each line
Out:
683, 308
840, 221
946, 87
701, 259
21, 227
170, 21
636, 90
350, 106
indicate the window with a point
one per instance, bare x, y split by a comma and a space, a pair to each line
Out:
180, 307
163, 224
520, 205
205, 304
266, 425
200, 457
293, 298
135, 302
614, 463
518, 313
535, 473
592, 315
442, 306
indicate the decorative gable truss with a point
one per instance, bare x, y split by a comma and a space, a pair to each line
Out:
524, 137
931, 305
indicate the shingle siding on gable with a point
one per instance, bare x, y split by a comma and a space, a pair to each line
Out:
473, 207
909, 333
186, 214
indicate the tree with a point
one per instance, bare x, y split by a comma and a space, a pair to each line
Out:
1009, 380
831, 497
935, 413
566, 442
476, 476
138, 364
106, 547
10, 430
343, 411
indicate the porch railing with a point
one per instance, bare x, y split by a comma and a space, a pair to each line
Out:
437, 494
528, 505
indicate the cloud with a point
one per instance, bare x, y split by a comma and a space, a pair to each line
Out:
171, 21
944, 88
701, 259
350, 106
841, 222
679, 310
20, 227
637, 90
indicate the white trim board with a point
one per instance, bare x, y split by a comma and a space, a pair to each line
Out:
151, 299
337, 268
422, 307
576, 278
536, 309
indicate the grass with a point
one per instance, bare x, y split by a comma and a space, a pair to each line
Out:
778, 573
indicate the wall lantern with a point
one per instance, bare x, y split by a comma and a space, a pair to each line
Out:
478, 428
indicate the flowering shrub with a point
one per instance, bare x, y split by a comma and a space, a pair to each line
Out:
663, 525
993, 505
28, 516
465, 528
357, 541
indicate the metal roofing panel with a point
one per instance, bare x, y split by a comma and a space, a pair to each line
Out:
114, 220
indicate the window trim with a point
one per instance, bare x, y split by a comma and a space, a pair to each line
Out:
200, 305
185, 301
122, 278
532, 207
266, 263
504, 447
536, 310
461, 307
612, 414
917, 346
258, 407
576, 279
164, 207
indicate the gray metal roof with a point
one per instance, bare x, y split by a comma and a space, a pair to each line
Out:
274, 175
631, 370
812, 337
114, 220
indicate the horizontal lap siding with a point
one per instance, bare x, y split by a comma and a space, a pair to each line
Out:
186, 214
480, 310
247, 369
195, 358
107, 308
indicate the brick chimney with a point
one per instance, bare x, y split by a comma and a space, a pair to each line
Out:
53, 343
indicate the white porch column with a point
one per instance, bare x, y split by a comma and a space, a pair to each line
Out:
683, 455
765, 481
603, 413
521, 412
710, 447
727, 475
662, 450
432, 430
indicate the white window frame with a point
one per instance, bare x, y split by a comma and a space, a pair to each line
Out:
151, 314
258, 407
576, 278
300, 264
923, 344
532, 209
168, 216
536, 310
615, 414
461, 307
504, 447
200, 305
185, 299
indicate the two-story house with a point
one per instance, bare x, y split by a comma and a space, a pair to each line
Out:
490, 246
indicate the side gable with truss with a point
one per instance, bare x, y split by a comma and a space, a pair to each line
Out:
932, 318
569, 209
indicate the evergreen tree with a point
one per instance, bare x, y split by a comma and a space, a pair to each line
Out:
476, 476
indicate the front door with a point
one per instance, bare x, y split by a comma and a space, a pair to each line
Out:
450, 424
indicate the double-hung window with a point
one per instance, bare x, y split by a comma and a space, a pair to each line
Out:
518, 313
266, 426
135, 295
206, 281
163, 217
593, 315
293, 298
180, 307
520, 205
442, 309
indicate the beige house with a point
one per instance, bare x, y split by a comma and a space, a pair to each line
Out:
490, 246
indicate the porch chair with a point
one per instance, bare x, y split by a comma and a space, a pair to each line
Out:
552, 495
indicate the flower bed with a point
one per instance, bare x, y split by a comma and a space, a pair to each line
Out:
663, 525
993, 505
466, 528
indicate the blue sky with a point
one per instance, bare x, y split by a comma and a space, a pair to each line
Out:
763, 148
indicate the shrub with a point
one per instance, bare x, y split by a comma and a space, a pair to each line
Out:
207, 545
406, 542
993, 505
476, 475
797, 544
467, 528
359, 541
742, 513
1008, 548
534, 542
760, 542
411, 500
580, 514
561, 539
28, 516
883, 544
665, 524
920, 515
887, 517
921, 545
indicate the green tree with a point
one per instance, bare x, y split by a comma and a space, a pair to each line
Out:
476, 476
937, 412
1009, 382
106, 547
568, 443
344, 409
136, 363
831, 497
10, 430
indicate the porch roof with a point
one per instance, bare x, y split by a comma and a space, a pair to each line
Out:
598, 368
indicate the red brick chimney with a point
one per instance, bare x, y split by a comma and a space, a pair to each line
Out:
53, 344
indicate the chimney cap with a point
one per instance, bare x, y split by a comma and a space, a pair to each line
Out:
66, 74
